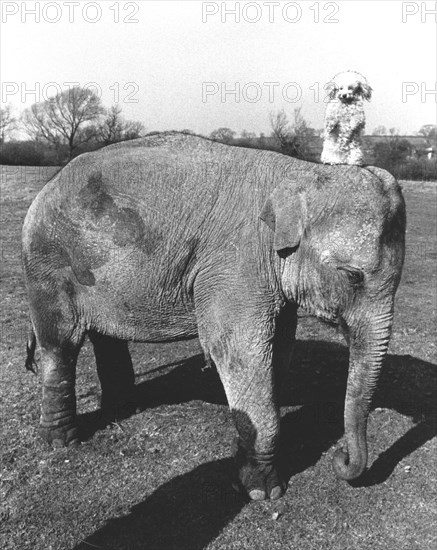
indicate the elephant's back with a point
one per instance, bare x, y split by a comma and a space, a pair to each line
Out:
170, 166
167, 188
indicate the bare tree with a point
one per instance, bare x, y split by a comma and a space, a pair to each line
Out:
114, 127
281, 128
65, 119
133, 129
429, 131
110, 129
248, 135
380, 131
7, 122
392, 151
293, 137
225, 135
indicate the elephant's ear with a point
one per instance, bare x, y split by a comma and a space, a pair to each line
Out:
282, 214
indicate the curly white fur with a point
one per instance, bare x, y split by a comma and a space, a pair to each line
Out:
345, 119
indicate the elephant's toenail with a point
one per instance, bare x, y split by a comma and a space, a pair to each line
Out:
276, 492
74, 443
57, 443
257, 494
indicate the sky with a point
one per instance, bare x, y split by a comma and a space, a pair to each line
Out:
204, 65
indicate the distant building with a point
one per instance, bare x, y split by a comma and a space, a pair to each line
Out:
430, 152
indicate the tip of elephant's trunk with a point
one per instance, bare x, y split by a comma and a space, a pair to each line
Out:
348, 468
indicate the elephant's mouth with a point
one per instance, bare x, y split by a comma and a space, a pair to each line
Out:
329, 316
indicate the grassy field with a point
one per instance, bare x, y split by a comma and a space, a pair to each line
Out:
161, 479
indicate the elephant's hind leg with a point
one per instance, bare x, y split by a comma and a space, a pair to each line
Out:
60, 336
58, 368
116, 374
58, 410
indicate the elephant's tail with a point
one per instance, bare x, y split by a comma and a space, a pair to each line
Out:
31, 364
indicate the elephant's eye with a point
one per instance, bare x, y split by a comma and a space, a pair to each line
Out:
354, 274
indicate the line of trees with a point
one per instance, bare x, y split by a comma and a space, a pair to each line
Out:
75, 121
387, 149
67, 124
397, 154
291, 137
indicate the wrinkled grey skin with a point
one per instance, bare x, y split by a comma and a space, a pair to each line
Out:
172, 236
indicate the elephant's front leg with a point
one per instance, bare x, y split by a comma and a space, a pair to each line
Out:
257, 423
243, 357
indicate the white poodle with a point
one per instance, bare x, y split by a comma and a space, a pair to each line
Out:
344, 119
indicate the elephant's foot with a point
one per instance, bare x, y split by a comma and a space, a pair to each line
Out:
58, 412
59, 434
260, 479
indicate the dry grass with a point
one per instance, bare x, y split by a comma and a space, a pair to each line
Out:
161, 479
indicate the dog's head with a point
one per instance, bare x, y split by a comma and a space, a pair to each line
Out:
349, 87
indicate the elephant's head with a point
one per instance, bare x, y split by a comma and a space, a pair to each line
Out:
340, 232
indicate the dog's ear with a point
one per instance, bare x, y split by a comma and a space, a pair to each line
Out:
366, 91
331, 89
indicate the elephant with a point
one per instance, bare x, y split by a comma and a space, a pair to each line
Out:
174, 236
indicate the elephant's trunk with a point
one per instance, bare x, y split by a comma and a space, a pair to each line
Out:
368, 348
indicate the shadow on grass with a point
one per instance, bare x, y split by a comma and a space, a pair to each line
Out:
190, 511
408, 385
317, 382
180, 382
184, 514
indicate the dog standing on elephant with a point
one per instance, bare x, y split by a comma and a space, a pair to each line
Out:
345, 119
174, 236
